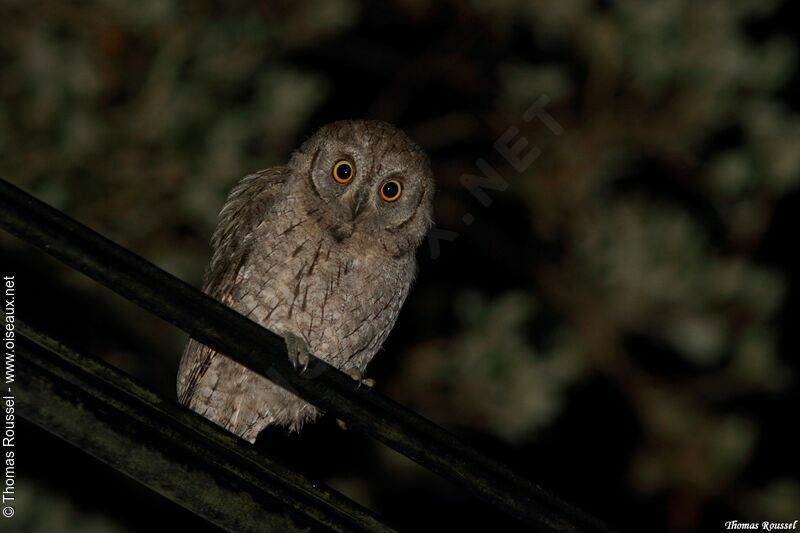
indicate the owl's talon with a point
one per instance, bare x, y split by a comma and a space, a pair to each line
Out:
358, 376
299, 355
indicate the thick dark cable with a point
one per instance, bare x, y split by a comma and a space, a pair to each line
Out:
169, 449
227, 331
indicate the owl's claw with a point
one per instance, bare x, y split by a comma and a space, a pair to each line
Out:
358, 376
299, 355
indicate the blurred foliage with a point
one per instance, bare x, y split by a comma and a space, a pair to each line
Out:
627, 252
490, 375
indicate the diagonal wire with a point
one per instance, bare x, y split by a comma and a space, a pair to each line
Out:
226, 331
168, 448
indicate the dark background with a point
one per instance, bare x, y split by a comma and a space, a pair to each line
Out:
619, 324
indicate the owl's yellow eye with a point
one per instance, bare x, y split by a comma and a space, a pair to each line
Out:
391, 190
343, 171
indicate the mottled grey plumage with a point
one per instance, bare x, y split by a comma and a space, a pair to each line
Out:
313, 259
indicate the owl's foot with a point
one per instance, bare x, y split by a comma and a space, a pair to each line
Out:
358, 376
299, 355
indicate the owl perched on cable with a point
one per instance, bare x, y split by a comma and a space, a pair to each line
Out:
320, 251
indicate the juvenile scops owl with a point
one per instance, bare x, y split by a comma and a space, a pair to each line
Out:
320, 251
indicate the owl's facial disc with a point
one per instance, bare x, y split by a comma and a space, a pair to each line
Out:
367, 180
367, 195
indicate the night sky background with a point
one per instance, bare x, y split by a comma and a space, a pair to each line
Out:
619, 324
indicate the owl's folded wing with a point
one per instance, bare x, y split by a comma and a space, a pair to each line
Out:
231, 244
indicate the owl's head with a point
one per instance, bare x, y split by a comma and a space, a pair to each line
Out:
368, 182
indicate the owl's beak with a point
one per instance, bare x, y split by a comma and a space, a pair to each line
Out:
354, 202
357, 203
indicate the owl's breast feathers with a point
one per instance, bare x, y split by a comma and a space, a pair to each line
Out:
300, 279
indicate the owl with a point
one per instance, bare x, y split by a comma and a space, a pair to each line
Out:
321, 252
